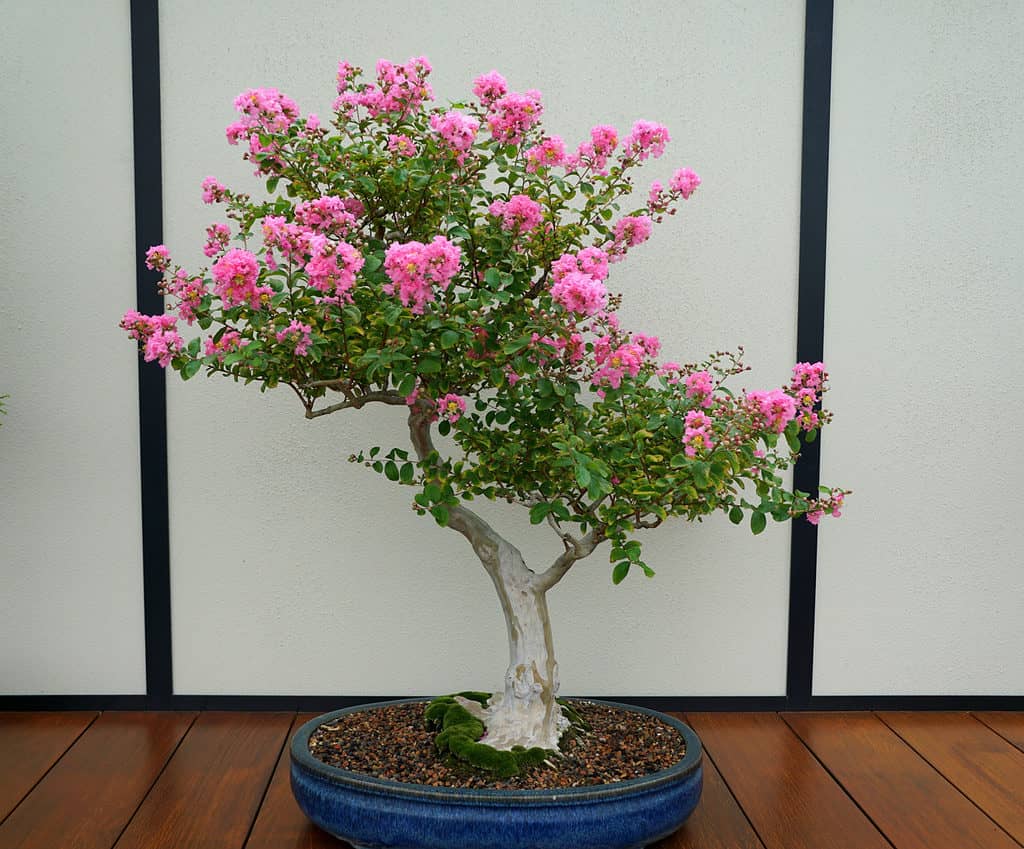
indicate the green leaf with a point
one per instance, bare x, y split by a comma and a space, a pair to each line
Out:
190, 368
735, 515
193, 347
492, 277
538, 512
371, 262
620, 571
701, 475
428, 365
448, 339
582, 476
516, 345
757, 521
678, 461
272, 185
407, 385
432, 491
407, 472
810, 436
390, 471
440, 514
648, 571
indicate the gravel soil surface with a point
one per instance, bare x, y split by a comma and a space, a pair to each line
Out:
392, 743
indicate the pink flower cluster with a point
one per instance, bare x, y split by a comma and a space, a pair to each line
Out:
458, 130
832, 505
771, 410
450, 407
630, 231
520, 213
189, 291
509, 115
697, 435
402, 145
577, 282
400, 89
333, 266
217, 236
236, 275
549, 153
700, 385
595, 153
808, 383
213, 191
614, 364
415, 268
300, 333
328, 214
158, 258
157, 334
685, 182
646, 139
262, 109
230, 340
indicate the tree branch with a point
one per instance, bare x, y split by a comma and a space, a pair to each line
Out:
357, 401
576, 549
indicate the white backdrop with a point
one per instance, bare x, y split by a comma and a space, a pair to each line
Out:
293, 571
920, 584
71, 545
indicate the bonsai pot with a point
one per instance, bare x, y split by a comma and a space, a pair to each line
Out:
373, 813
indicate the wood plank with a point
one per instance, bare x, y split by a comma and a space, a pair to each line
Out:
981, 764
1006, 723
31, 743
718, 822
791, 801
910, 802
280, 824
86, 800
208, 795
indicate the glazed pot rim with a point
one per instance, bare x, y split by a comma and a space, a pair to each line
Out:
302, 758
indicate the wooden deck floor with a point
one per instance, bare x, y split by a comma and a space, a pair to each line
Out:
219, 780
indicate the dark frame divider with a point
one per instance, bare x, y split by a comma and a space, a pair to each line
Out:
153, 431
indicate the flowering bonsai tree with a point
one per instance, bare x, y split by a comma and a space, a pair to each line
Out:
454, 263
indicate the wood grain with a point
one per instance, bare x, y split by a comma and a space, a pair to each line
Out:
791, 801
981, 764
280, 824
89, 796
718, 822
30, 743
208, 795
910, 802
1007, 724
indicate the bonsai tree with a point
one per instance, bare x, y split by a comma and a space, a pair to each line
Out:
454, 263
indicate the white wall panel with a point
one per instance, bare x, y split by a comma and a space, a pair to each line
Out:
295, 572
920, 583
71, 612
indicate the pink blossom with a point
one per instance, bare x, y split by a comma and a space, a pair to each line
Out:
141, 327
697, 435
814, 516
217, 236
520, 213
650, 344
401, 145
236, 275
346, 76
773, 410
594, 153
162, 346
489, 87
808, 376
591, 261
328, 214
415, 268
403, 88
646, 139
190, 293
299, 332
656, 198
312, 122
511, 376
451, 407
579, 293
230, 340
549, 153
262, 109
333, 268
158, 258
512, 115
685, 182
292, 240
700, 385
632, 230
213, 191
626, 359
458, 130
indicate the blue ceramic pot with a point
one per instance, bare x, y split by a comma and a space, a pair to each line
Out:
371, 813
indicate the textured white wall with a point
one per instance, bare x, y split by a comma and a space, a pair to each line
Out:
919, 585
294, 572
70, 556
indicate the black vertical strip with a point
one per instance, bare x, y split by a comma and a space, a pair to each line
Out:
810, 336
145, 34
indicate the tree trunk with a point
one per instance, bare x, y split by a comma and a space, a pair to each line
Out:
526, 713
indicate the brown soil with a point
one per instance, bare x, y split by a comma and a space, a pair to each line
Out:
392, 743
